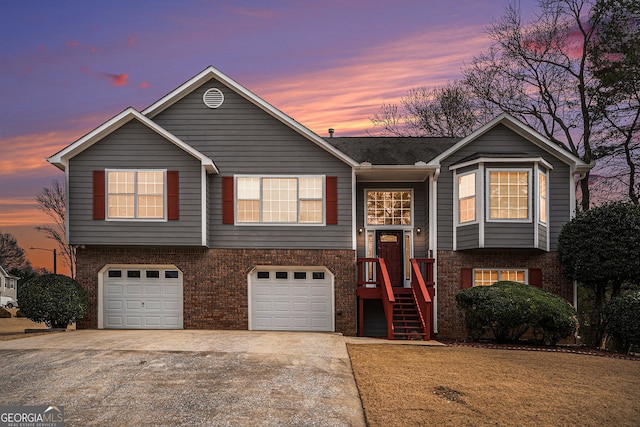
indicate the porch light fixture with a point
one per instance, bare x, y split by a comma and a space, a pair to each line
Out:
360, 230
418, 231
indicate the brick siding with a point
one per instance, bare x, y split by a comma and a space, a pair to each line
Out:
215, 280
451, 263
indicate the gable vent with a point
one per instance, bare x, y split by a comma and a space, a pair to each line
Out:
213, 98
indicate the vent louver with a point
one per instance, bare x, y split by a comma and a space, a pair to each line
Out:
213, 98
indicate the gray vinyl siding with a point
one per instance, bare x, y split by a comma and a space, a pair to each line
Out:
420, 213
542, 237
501, 140
508, 235
467, 236
134, 146
242, 139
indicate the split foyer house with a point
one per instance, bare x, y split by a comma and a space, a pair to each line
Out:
211, 209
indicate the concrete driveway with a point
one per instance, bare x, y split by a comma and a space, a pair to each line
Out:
204, 378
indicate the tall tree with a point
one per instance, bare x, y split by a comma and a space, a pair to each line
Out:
449, 111
51, 201
11, 254
615, 62
600, 248
538, 73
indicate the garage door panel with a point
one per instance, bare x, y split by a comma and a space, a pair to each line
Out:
319, 307
300, 306
299, 290
281, 306
263, 307
153, 290
149, 301
133, 290
115, 321
114, 289
134, 321
281, 291
172, 306
153, 305
114, 305
172, 289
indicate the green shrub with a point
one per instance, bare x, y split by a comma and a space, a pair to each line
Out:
623, 318
54, 299
20, 313
4, 314
509, 309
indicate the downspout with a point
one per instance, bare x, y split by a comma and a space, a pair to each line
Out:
433, 240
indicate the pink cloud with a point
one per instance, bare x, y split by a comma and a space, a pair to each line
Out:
132, 40
93, 49
254, 13
145, 85
114, 79
348, 94
117, 79
72, 43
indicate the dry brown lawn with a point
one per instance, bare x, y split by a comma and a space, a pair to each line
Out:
13, 328
461, 386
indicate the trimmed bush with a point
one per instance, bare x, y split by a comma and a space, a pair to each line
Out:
20, 313
509, 309
53, 299
623, 318
4, 314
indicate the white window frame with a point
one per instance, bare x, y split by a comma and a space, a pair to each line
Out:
477, 196
388, 226
546, 199
135, 196
488, 194
499, 270
323, 222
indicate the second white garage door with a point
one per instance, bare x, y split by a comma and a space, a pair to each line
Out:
143, 297
291, 299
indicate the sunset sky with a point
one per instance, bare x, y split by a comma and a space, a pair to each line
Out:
68, 66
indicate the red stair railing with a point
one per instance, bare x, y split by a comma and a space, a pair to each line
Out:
423, 291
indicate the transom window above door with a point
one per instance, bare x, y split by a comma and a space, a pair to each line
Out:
388, 207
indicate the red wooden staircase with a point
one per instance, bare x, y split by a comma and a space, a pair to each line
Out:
407, 324
408, 311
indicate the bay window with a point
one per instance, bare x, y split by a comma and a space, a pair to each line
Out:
508, 194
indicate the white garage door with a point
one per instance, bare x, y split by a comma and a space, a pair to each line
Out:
290, 299
142, 298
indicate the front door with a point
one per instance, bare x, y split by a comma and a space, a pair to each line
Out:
390, 248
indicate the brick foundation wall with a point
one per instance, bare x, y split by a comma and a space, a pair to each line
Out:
215, 280
450, 263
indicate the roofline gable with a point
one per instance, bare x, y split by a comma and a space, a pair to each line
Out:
211, 72
578, 165
61, 158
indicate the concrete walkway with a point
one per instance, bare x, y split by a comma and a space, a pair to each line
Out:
186, 377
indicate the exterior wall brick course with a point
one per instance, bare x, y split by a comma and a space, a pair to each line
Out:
215, 280
450, 265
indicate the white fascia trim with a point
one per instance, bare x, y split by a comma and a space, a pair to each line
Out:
523, 130
421, 167
211, 72
503, 160
61, 158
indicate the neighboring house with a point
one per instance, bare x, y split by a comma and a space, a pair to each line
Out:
211, 209
8, 287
